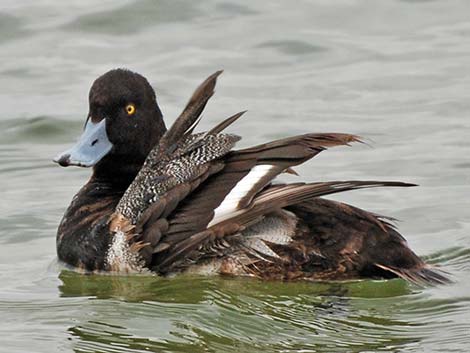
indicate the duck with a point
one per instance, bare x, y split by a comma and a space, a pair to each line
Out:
167, 201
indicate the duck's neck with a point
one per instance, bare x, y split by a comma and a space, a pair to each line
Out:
117, 171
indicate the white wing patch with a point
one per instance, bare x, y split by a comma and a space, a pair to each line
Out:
230, 203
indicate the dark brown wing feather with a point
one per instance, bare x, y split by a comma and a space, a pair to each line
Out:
271, 199
154, 223
315, 142
194, 214
226, 123
190, 115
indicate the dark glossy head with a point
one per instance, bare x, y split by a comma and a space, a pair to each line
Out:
124, 122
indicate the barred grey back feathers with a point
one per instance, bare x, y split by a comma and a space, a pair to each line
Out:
163, 170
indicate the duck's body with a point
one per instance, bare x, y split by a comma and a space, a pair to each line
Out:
197, 205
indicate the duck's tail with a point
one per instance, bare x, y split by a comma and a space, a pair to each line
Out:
422, 275
357, 243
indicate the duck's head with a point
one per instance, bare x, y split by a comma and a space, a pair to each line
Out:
124, 122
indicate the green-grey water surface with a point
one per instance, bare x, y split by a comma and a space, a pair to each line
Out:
395, 72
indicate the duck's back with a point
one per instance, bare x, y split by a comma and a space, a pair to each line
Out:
315, 240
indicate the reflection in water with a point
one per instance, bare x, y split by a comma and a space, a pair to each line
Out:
395, 72
149, 287
194, 314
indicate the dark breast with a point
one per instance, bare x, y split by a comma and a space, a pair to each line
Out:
83, 235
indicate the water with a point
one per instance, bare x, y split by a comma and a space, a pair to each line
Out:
395, 72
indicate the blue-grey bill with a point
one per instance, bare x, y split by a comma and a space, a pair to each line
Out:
92, 146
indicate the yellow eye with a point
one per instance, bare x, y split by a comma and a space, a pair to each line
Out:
130, 109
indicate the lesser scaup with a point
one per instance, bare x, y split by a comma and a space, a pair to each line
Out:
172, 201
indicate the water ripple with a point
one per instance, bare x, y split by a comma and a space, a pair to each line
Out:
394, 72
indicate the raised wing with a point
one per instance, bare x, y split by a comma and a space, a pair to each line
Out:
182, 252
178, 158
175, 167
162, 228
245, 173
